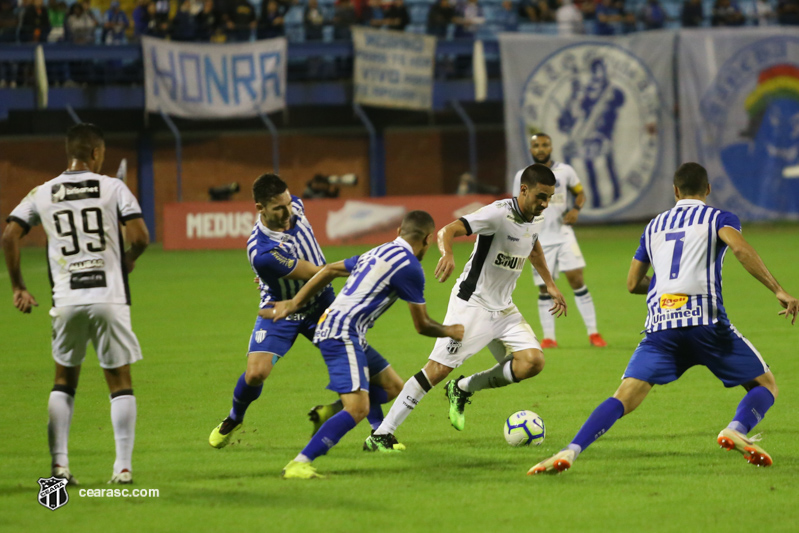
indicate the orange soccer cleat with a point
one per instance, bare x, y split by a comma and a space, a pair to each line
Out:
548, 343
596, 340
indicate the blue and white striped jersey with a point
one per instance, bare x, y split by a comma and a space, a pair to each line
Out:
684, 248
377, 279
274, 254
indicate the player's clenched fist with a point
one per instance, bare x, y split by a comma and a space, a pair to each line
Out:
455, 332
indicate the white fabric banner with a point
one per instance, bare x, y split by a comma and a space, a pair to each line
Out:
607, 103
206, 81
739, 96
393, 69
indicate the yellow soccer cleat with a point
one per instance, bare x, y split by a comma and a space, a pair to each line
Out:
220, 436
321, 414
560, 462
729, 439
299, 470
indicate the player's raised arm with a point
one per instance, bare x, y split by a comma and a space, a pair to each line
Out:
430, 328
539, 262
753, 264
23, 300
322, 279
446, 235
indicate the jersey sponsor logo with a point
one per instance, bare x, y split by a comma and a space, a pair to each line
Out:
260, 335
84, 265
509, 262
757, 87
513, 239
581, 95
287, 262
672, 314
673, 301
453, 346
91, 279
65, 192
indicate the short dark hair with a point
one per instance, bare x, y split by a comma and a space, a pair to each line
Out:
691, 179
82, 139
416, 225
267, 186
541, 134
538, 173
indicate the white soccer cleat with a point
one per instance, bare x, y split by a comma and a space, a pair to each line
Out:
62, 472
122, 478
560, 462
729, 439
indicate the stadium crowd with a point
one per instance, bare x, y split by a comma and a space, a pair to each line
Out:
82, 22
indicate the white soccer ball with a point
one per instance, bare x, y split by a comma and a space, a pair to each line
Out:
524, 428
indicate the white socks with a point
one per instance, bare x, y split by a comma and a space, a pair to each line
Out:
412, 393
585, 304
123, 418
497, 376
545, 302
59, 409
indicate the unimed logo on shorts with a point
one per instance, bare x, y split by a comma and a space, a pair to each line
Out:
53, 492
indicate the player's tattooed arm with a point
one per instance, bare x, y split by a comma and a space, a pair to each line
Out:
430, 328
540, 264
23, 300
446, 235
753, 264
637, 280
279, 310
570, 217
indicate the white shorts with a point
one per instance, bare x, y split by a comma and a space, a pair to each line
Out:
108, 328
504, 332
561, 257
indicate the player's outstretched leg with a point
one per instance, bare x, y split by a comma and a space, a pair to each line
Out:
123, 419
458, 398
753, 407
60, 407
243, 395
379, 443
386, 443
412, 393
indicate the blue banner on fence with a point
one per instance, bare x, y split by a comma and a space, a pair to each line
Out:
206, 81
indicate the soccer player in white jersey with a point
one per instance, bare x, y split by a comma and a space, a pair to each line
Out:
507, 235
284, 254
82, 213
686, 322
376, 279
561, 250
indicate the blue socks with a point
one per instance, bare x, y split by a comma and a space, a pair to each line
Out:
752, 409
329, 435
377, 397
600, 421
243, 396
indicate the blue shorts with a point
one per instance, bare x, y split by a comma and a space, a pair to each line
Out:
278, 337
350, 365
663, 356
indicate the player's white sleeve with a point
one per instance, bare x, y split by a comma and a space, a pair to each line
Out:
573, 181
26, 214
485, 221
128, 205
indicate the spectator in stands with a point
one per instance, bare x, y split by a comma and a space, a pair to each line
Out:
313, 20
535, 11
373, 15
653, 16
140, 18
207, 21
343, 18
271, 24
468, 20
788, 12
508, 18
569, 18
241, 21
397, 15
35, 25
440, 16
80, 25
763, 14
158, 18
8, 34
115, 24
725, 13
607, 16
184, 25
57, 11
693, 14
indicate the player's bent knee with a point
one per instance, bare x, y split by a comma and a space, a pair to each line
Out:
436, 372
528, 364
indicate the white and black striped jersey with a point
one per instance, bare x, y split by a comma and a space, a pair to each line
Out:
504, 242
686, 253
81, 214
274, 254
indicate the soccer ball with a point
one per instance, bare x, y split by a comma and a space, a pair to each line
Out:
524, 428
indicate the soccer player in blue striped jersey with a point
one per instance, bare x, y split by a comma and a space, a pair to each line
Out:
284, 254
376, 279
686, 322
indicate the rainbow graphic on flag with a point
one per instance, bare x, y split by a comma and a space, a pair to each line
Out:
779, 81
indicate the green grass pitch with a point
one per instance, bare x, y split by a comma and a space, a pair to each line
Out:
657, 470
